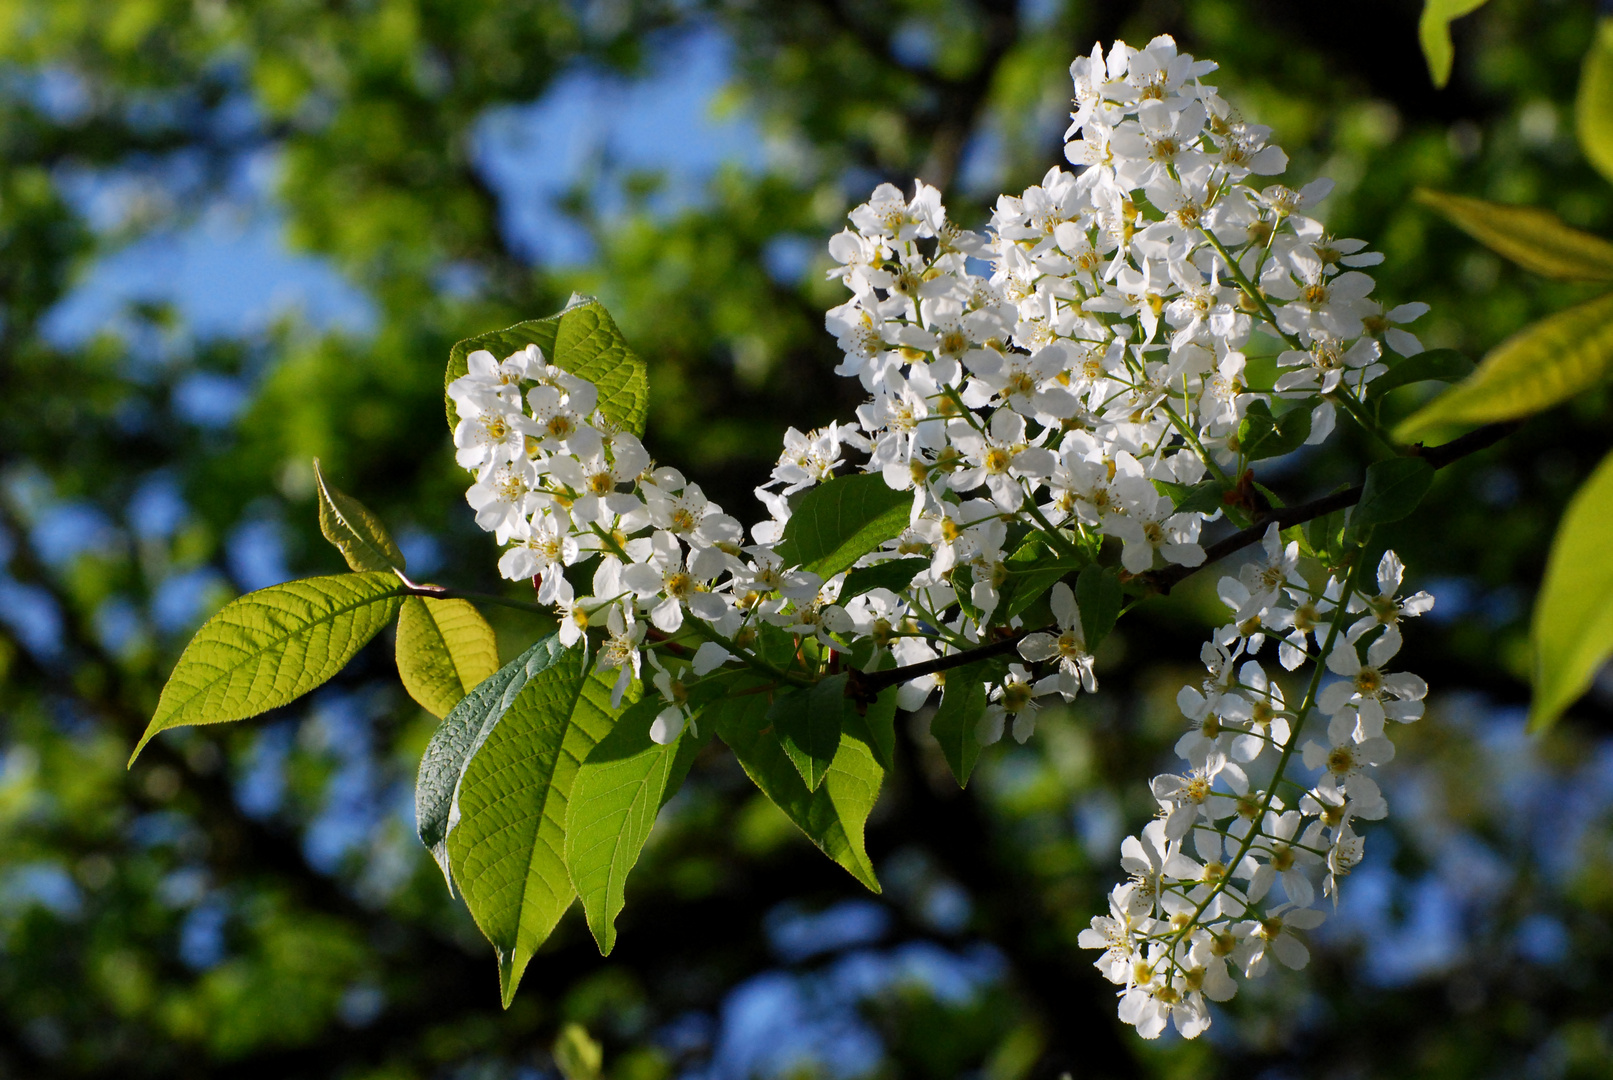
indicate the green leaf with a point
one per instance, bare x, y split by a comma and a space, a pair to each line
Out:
444, 649
1098, 597
272, 646
1593, 106
507, 847
1535, 239
808, 722
695, 738
1392, 490
1435, 365
614, 799
357, 533
1434, 33
834, 815
1325, 535
1196, 498
875, 727
963, 703
841, 520
1572, 630
1542, 365
1271, 497
582, 339
457, 738
892, 574
962, 579
1032, 570
1261, 435
577, 1055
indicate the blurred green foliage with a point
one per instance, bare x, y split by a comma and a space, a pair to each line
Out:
252, 901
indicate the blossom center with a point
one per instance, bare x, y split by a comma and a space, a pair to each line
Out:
1016, 695
1368, 682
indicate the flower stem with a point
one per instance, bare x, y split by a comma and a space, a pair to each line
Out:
1339, 615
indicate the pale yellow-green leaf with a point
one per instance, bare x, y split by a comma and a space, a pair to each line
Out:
1434, 32
1535, 239
576, 1054
1593, 107
357, 533
271, 647
1540, 366
444, 649
1572, 633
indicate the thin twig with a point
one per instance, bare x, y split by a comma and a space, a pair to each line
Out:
443, 592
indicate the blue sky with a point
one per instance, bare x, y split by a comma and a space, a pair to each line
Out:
229, 273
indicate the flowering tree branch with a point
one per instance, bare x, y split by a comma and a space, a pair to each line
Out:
1083, 391
865, 686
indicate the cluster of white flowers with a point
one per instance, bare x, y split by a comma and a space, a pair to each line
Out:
1179, 922
1069, 377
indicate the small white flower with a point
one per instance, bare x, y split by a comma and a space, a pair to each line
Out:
1069, 648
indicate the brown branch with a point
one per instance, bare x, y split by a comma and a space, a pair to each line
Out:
1437, 456
865, 686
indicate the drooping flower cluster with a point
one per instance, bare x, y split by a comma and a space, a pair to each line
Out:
1096, 372
1225, 875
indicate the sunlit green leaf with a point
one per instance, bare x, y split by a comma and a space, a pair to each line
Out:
808, 724
834, 815
1535, 239
1538, 367
614, 799
1435, 365
444, 649
357, 533
271, 647
1434, 33
1572, 631
875, 727
582, 339
458, 736
507, 848
841, 520
1593, 106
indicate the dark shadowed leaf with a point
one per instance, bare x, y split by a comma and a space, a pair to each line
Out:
841, 520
